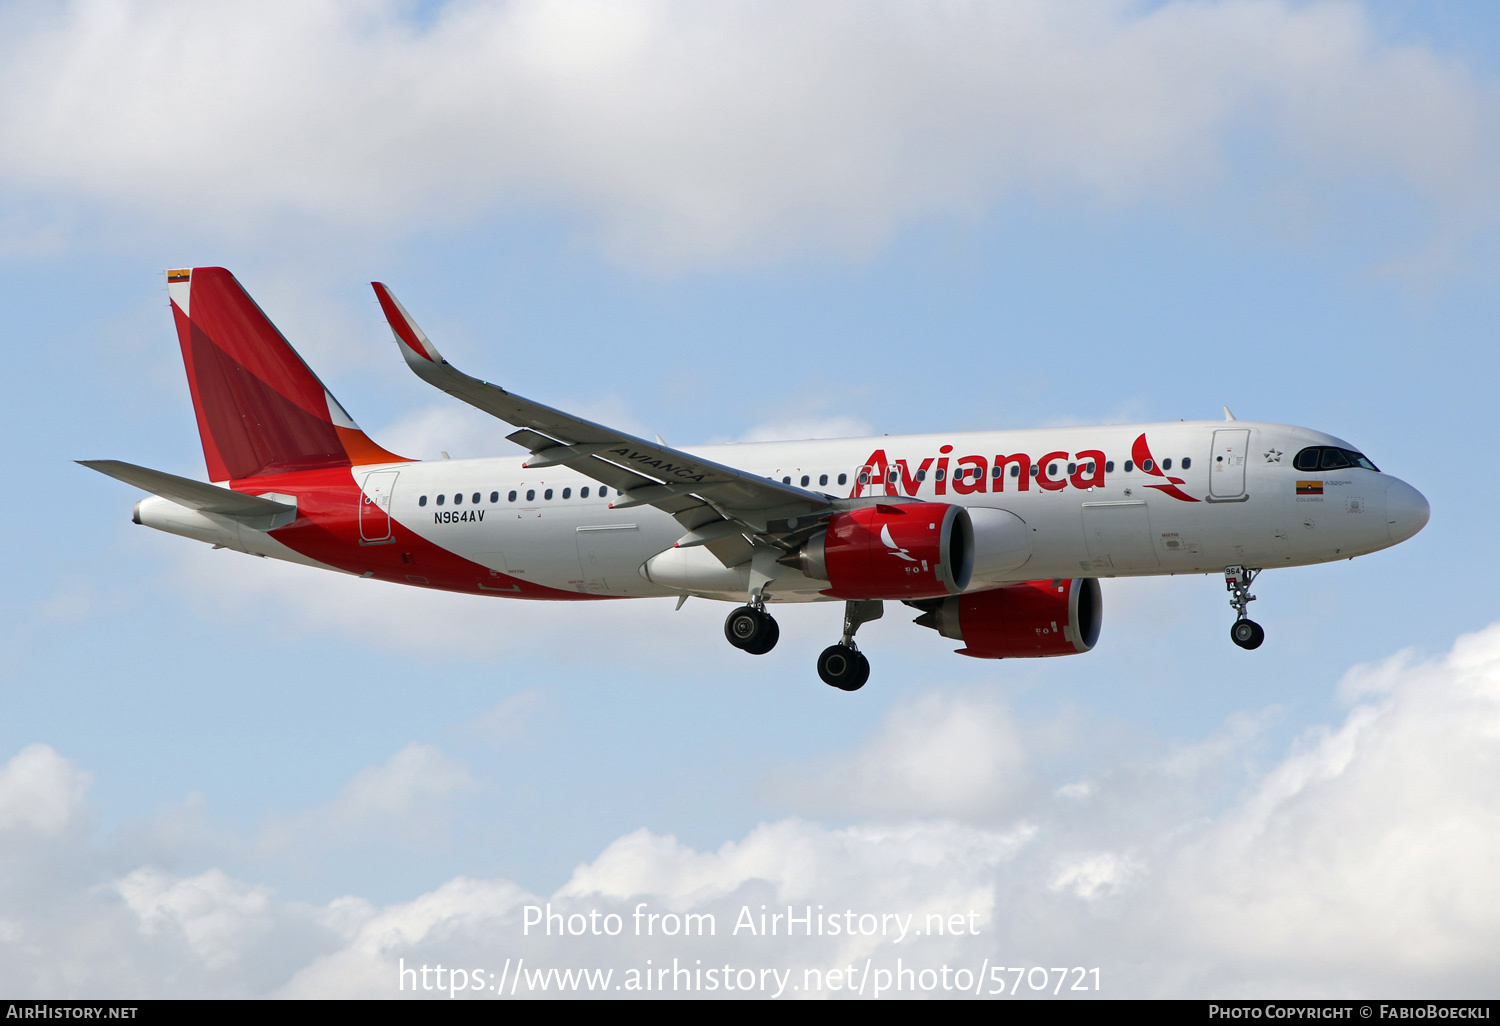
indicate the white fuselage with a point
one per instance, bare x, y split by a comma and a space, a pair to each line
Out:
1238, 504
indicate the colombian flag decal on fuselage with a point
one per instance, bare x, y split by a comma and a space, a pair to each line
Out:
1309, 487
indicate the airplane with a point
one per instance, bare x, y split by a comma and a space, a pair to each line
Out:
997, 539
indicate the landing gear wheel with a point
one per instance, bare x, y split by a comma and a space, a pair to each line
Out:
771, 635
747, 628
843, 667
1247, 634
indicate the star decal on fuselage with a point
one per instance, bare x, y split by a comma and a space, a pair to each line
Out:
1273, 455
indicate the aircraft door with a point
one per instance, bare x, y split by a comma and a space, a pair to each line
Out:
1226, 469
375, 506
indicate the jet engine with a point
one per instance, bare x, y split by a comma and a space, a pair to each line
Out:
1035, 618
913, 550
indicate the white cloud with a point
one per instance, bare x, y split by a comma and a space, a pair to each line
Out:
934, 755
367, 964
405, 800
1361, 862
683, 132
509, 718
41, 792
1094, 875
215, 913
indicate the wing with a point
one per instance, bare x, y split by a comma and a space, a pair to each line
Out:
732, 512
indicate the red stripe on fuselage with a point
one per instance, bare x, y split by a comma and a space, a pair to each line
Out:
327, 529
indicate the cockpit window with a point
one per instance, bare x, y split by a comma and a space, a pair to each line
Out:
1329, 457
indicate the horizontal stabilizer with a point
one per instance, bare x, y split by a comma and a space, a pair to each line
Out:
206, 498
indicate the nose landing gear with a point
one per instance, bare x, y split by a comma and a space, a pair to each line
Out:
1244, 632
843, 665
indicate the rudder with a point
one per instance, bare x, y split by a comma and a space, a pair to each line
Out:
260, 408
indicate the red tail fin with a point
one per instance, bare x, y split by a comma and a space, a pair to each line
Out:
260, 409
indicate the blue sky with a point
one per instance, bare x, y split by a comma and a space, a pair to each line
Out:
722, 222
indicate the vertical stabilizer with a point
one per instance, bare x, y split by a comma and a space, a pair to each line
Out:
260, 409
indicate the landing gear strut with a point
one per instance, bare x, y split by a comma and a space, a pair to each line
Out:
843, 665
1245, 632
753, 629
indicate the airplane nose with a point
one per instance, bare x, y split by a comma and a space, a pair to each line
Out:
1406, 511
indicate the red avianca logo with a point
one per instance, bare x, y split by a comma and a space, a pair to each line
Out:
1141, 453
967, 475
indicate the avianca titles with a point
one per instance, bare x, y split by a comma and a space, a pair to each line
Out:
997, 539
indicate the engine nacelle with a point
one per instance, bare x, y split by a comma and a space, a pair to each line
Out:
909, 551
1036, 618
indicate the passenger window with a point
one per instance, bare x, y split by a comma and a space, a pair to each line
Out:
1187, 462
786, 480
1015, 470
939, 475
864, 479
603, 492
1088, 468
1129, 466
511, 497
458, 499
921, 475
822, 479
1034, 469
422, 501
440, 500
475, 498
843, 479
583, 493
531, 495
806, 480
1146, 466
547, 494
1109, 466
995, 471
494, 497
1166, 464
567, 493
1072, 468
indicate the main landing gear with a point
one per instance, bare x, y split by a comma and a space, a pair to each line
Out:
753, 629
843, 665
1245, 632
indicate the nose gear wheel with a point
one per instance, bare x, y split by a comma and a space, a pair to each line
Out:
1244, 632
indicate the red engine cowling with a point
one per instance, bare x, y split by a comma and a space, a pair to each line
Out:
1037, 618
909, 551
